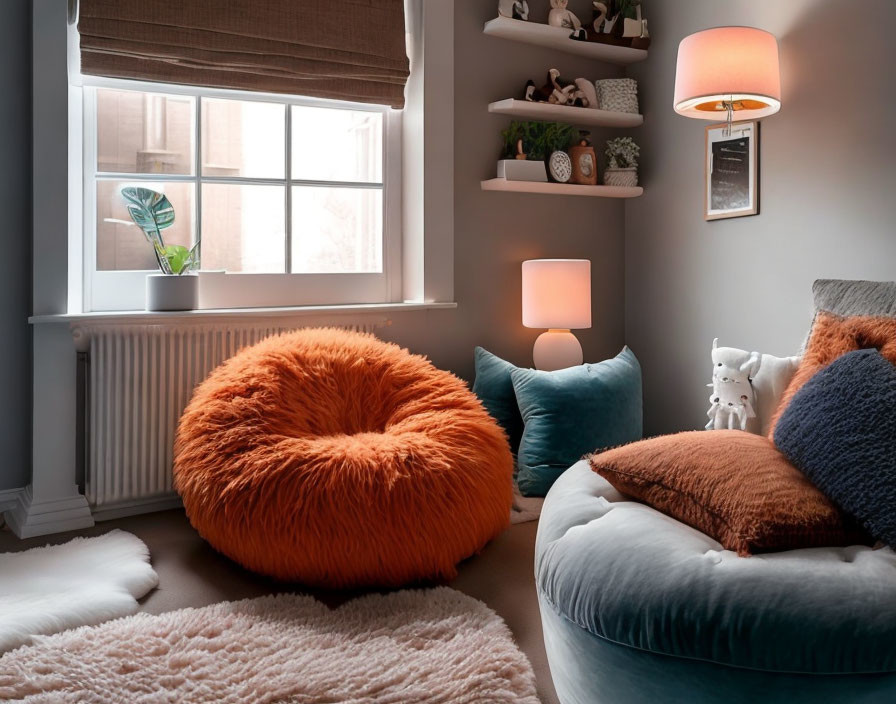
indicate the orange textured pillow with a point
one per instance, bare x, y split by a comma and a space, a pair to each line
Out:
732, 485
833, 336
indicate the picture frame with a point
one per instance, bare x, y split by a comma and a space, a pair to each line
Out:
731, 183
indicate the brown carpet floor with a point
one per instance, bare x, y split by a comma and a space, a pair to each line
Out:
192, 574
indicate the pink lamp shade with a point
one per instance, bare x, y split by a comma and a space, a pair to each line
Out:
734, 65
557, 293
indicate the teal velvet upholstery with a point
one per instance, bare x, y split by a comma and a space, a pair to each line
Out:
638, 607
494, 387
587, 669
572, 412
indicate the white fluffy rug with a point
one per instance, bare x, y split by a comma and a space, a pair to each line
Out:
435, 645
85, 581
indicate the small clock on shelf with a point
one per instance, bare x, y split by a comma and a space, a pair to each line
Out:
560, 166
584, 164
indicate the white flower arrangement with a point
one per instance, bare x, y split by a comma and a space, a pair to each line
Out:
622, 153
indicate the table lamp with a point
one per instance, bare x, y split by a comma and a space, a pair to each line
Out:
557, 296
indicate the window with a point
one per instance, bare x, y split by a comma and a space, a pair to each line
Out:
296, 199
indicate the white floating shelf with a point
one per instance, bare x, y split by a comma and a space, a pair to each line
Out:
560, 189
566, 113
558, 38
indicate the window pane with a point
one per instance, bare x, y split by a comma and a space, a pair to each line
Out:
122, 246
337, 145
244, 228
243, 138
337, 230
144, 133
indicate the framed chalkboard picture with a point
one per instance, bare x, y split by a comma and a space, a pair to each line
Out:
732, 171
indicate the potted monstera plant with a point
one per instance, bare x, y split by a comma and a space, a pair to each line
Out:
175, 287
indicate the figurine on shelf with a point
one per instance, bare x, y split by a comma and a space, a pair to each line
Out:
619, 22
514, 9
555, 91
533, 94
601, 9
560, 16
586, 94
559, 91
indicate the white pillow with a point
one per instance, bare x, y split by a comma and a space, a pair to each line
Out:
769, 382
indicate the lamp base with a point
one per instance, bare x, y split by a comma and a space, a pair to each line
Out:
556, 349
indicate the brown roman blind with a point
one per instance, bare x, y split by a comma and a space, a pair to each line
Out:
340, 49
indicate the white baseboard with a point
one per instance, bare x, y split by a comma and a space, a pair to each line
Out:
29, 518
8, 498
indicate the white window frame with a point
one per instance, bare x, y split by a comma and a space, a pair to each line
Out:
125, 290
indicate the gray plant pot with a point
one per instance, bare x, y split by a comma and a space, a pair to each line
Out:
621, 177
167, 292
522, 170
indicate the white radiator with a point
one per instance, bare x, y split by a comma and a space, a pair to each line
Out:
137, 380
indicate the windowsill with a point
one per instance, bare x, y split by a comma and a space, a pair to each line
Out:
194, 316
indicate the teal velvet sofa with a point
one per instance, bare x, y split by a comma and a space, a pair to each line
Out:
640, 608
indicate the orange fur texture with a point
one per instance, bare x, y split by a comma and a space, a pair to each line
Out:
731, 485
335, 459
833, 336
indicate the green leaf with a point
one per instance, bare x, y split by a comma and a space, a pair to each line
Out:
180, 259
152, 212
177, 256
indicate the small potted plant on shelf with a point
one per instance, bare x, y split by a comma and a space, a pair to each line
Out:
528, 146
622, 162
517, 163
175, 287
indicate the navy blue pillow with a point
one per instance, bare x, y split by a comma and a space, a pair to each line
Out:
494, 387
840, 430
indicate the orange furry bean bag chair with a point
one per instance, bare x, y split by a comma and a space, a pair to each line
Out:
335, 459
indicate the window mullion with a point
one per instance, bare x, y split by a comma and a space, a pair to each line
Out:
197, 173
288, 174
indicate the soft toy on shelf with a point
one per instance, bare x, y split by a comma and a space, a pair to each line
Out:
733, 399
586, 94
514, 9
619, 22
560, 16
559, 91
601, 10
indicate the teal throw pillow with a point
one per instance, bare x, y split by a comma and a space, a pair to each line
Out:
494, 388
571, 412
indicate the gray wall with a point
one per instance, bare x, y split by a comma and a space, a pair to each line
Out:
15, 269
827, 206
828, 195
495, 232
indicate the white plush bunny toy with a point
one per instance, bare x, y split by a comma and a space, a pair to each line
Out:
733, 399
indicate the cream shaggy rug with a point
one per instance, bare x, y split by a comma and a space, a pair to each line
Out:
84, 581
407, 647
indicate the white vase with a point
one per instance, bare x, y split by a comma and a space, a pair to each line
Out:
627, 178
522, 170
170, 292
